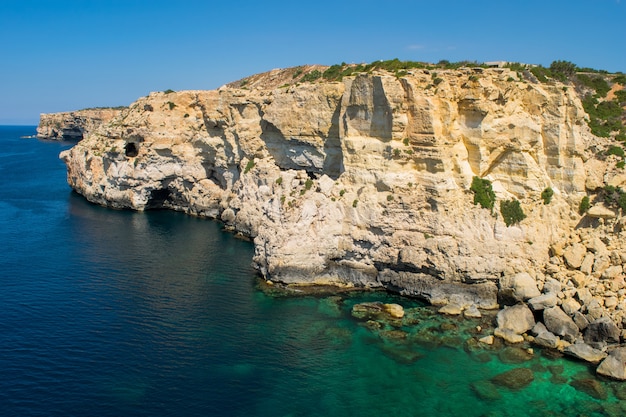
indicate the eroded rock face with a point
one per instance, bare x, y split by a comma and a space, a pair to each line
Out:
363, 182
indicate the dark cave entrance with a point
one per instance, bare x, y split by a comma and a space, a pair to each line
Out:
131, 150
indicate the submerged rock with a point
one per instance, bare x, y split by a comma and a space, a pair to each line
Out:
514, 379
591, 386
512, 354
485, 390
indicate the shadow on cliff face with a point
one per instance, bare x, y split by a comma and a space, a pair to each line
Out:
297, 153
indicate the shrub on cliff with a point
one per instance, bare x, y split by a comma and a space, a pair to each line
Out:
511, 211
483, 192
311, 76
614, 197
584, 205
546, 195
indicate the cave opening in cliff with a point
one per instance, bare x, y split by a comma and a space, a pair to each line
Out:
158, 198
131, 150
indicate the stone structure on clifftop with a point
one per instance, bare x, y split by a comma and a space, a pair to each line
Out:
366, 182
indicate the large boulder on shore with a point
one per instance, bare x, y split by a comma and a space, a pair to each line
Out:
560, 323
614, 366
517, 319
585, 352
516, 288
602, 331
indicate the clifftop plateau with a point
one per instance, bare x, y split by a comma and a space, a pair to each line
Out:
365, 179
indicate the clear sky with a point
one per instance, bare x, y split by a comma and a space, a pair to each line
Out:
60, 55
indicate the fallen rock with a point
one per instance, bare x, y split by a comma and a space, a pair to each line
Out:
585, 352
570, 306
517, 319
488, 340
514, 379
519, 287
451, 309
574, 255
614, 366
599, 211
547, 339
508, 335
600, 332
560, 323
590, 386
543, 301
472, 312
581, 320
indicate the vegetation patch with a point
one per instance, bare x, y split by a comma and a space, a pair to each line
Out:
546, 195
483, 192
614, 197
511, 211
249, 166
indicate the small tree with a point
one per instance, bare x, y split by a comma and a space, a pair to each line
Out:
483, 192
511, 211
546, 195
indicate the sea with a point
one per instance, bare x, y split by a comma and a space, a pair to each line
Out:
119, 313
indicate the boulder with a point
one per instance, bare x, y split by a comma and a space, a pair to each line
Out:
518, 287
560, 323
600, 332
599, 211
472, 312
543, 301
547, 339
570, 306
551, 285
514, 379
614, 366
585, 352
508, 335
574, 255
488, 340
451, 309
517, 319
581, 320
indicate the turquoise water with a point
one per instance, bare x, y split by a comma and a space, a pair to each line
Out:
116, 313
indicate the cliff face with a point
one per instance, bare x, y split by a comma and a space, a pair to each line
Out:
73, 125
366, 182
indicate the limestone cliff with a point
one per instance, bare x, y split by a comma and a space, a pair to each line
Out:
366, 181
74, 125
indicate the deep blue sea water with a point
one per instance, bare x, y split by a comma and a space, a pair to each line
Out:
117, 313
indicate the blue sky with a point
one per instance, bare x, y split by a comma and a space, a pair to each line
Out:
58, 55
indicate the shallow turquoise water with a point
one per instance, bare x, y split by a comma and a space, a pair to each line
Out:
114, 313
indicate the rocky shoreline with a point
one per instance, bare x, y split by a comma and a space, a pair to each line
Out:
366, 183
